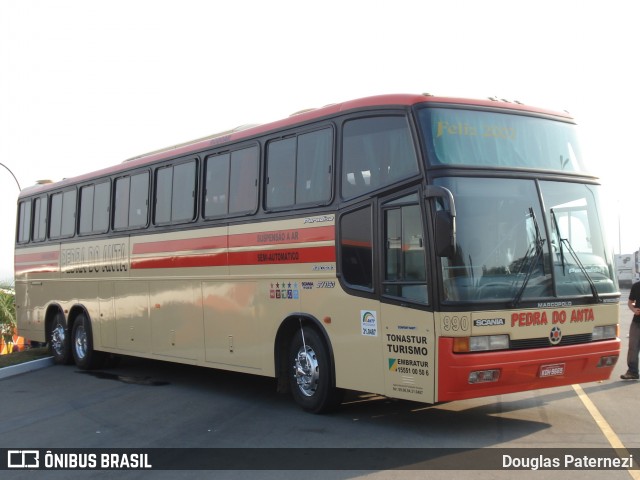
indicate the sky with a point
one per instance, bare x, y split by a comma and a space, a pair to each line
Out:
85, 84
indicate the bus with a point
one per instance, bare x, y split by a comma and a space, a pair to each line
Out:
626, 269
413, 246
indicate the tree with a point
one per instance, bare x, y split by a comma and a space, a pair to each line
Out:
7, 314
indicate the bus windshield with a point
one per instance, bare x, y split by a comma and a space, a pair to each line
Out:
509, 249
478, 138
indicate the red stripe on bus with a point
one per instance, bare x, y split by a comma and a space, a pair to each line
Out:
277, 237
205, 243
282, 256
190, 261
253, 257
37, 257
48, 268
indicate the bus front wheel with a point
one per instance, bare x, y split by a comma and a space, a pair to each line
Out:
310, 376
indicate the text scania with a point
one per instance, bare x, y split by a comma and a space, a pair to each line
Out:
488, 322
528, 319
94, 259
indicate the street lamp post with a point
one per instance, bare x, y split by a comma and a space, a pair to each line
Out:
14, 177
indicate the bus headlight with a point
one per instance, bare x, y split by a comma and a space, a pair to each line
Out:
604, 332
481, 343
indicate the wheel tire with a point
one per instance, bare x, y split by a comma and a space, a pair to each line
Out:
59, 342
84, 355
310, 373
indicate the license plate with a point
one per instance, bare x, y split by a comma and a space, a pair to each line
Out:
552, 370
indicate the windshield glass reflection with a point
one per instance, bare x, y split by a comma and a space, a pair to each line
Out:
504, 251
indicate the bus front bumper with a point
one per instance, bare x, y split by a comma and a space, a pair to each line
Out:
472, 375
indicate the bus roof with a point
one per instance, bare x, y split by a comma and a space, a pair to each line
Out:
247, 131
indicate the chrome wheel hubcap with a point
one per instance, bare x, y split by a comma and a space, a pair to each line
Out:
306, 371
81, 341
57, 339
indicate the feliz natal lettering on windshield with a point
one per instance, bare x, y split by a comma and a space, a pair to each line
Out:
483, 131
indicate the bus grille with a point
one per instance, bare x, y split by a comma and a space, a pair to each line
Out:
544, 342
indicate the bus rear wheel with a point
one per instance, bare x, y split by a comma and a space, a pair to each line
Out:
310, 377
59, 345
84, 355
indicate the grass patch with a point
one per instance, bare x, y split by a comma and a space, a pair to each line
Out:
16, 358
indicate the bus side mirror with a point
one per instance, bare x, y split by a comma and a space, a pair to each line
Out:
445, 234
445, 221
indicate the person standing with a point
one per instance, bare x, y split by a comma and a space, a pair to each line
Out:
634, 334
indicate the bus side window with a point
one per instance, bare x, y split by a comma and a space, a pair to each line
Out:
139, 200
313, 172
356, 247
183, 198
131, 201
405, 268
216, 185
69, 206
243, 182
55, 215
63, 214
376, 152
40, 219
121, 208
299, 170
86, 209
175, 193
94, 208
24, 221
101, 202
281, 173
164, 184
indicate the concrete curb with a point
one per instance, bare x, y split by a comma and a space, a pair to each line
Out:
7, 372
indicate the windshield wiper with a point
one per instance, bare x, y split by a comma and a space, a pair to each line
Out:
574, 255
556, 227
537, 246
